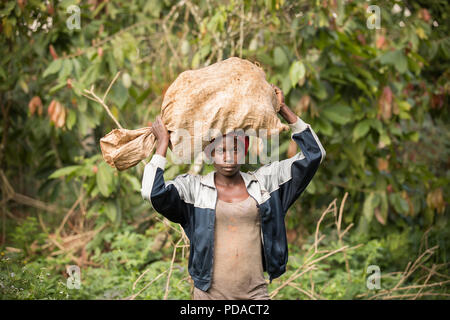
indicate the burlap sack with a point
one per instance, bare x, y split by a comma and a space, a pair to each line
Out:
199, 105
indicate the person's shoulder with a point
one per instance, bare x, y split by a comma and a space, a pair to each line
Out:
267, 169
187, 185
268, 175
187, 178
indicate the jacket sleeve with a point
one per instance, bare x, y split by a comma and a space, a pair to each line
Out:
291, 176
168, 198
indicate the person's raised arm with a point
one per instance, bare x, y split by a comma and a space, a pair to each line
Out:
291, 176
167, 198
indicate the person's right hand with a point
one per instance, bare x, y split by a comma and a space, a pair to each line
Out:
284, 111
280, 95
161, 134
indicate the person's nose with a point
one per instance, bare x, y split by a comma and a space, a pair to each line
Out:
229, 156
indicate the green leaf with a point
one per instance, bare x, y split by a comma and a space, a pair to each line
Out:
396, 59
404, 107
319, 90
445, 46
126, 80
340, 114
135, 183
65, 70
153, 7
214, 22
367, 213
52, 68
90, 75
360, 84
384, 138
377, 125
413, 136
64, 171
286, 85
76, 66
324, 126
400, 205
311, 188
112, 66
119, 94
143, 96
57, 87
111, 210
269, 4
383, 209
296, 72
279, 57
361, 129
171, 172
369, 206
105, 179
118, 51
8, 8
71, 119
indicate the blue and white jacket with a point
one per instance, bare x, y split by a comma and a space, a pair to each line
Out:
190, 200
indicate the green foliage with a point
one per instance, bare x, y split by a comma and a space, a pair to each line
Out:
22, 280
345, 276
24, 234
132, 260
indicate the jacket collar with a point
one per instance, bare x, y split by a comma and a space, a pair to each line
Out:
208, 179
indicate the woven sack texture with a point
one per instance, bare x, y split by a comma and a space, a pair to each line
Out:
198, 106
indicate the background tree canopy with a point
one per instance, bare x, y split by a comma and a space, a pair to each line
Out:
377, 97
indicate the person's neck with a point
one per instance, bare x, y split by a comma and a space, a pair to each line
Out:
227, 181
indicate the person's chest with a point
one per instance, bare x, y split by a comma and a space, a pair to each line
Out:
232, 194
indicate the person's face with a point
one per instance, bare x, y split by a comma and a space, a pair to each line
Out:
228, 156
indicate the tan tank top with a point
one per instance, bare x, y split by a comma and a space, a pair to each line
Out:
237, 266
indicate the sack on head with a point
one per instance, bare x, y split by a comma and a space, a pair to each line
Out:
200, 105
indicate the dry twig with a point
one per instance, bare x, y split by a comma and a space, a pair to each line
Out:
90, 94
317, 255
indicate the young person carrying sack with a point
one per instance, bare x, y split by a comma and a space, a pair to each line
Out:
233, 219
